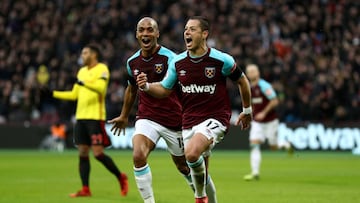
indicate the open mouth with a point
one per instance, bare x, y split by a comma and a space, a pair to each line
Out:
146, 41
188, 40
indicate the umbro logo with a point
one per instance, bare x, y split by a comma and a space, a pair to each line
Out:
182, 72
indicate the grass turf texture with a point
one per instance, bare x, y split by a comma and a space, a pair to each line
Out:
316, 177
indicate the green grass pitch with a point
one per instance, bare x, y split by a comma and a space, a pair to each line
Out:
308, 177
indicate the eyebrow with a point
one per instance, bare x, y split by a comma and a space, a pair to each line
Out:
146, 27
192, 26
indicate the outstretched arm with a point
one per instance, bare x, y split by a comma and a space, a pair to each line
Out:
120, 122
67, 95
154, 89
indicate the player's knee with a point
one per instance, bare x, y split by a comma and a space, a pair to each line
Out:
83, 151
97, 150
139, 158
192, 155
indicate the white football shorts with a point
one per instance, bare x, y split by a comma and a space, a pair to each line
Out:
154, 131
265, 131
210, 128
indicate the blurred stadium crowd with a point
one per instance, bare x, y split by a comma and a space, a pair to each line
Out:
309, 50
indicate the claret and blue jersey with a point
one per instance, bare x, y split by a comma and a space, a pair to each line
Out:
261, 94
166, 111
202, 82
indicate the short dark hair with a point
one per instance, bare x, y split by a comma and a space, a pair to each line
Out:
204, 22
94, 48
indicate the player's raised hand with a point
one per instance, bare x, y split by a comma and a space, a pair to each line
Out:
244, 120
119, 124
141, 80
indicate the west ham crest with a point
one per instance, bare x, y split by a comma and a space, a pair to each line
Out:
159, 68
209, 72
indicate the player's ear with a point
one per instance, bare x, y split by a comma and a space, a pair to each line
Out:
157, 34
205, 34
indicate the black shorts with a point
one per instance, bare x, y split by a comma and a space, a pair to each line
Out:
91, 132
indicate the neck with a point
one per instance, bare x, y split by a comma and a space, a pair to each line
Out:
150, 52
254, 82
92, 64
201, 51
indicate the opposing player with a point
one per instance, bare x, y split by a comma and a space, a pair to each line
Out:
156, 118
265, 123
90, 91
200, 75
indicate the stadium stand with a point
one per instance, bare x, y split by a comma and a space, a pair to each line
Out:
308, 49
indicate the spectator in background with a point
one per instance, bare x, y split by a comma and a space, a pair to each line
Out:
58, 132
56, 139
42, 75
292, 41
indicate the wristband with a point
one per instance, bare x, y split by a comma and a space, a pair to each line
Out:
146, 88
247, 110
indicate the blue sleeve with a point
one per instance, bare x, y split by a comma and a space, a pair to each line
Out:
171, 77
228, 61
267, 89
229, 65
128, 69
130, 77
168, 53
